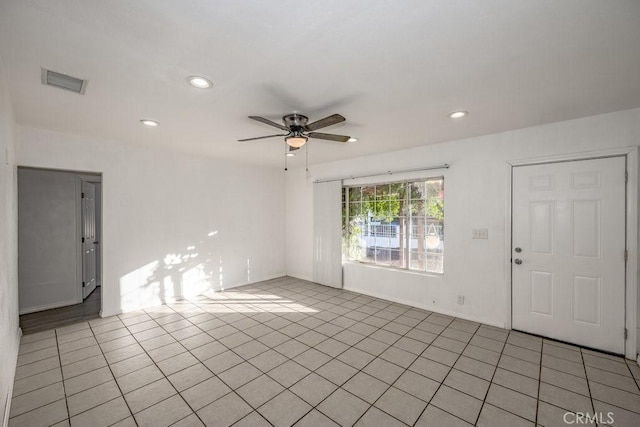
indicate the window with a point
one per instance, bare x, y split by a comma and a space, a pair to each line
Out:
398, 224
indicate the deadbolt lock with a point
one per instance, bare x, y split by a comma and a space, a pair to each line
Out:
518, 250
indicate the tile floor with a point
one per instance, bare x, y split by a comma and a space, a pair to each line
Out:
289, 352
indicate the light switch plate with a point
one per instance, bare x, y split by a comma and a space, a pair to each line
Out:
480, 233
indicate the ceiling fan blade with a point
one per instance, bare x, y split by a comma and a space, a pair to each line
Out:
327, 121
329, 136
261, 137
269, 122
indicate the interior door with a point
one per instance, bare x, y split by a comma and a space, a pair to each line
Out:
568, 252
88, 238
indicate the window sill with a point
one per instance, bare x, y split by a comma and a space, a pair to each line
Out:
401, 270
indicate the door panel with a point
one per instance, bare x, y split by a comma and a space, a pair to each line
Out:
569, 222
88, 238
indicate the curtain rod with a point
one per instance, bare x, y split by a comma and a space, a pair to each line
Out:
443, 166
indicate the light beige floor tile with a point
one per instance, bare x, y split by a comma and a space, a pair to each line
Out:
343, 407
76, 345
177, 363
565, 399
205, 393
83, 366
112, 335
374, 417
37, 355
123, 353
224, 411
288, 373
139, 378
130, 365
73, 336
189, 421
104, 415
36, 345
457, 403
81, 354
615, 396
366, 387
37, 367
315, 419
92, 397
149, 395
193, 375
164, 413
611, 379
467, 383
259, 390
313, 388
85, 381
434, 416
491, 416
517, 382
380, 369
37, 381
284, 409
516, 403
401, 405
29, 338
44, 416
35, 399
562, 380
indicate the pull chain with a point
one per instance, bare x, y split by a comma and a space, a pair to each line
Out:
285, 156
306, 152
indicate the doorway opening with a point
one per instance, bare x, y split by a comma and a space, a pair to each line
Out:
59, 247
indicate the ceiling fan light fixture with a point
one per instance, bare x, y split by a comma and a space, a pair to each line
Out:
296, 140
148, 122
290, 154
458, 114
200, 82
352, 139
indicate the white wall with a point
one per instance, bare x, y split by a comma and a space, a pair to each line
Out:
172, 224
9, 332
476, 196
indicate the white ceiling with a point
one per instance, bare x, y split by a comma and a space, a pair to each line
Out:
394, 69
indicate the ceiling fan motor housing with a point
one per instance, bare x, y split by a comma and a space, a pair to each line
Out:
295, 122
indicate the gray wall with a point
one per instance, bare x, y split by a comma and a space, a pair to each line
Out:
47, 239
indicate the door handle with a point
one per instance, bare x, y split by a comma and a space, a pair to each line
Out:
518, 261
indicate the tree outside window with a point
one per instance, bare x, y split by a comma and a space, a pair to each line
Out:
397, 224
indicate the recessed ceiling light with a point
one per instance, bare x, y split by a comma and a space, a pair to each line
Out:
290, 154
200, 82
147, 122
352, 139
458, 114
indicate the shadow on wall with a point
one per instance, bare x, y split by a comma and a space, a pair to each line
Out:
175, 276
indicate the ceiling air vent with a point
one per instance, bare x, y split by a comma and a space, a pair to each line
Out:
63, 81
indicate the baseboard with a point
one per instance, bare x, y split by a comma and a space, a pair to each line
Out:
7, 405
301, 277
251, 282
47, 307
262, 279
429, 308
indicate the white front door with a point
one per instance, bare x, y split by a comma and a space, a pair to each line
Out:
88, 238
568, 251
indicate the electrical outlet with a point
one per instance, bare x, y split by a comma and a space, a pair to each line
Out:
480, 233
460, 299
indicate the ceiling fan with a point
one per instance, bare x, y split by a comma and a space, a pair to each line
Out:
299, 130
